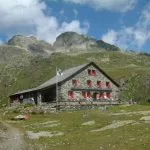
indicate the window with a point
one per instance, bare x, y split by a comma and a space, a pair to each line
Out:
89, 83
108, 85
101, 95
93, 72
88, 94
89, 72
108, 95
75, 83
84, 94
71, 95
99, 84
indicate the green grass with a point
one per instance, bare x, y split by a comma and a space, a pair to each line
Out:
77, 136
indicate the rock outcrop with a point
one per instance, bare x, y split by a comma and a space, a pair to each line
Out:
74, 42
32, 45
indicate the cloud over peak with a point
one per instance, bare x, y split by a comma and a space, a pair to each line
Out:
28, 17
134, 36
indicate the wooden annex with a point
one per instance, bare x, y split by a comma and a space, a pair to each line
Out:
82, 85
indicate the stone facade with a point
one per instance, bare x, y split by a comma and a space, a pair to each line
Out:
82, 78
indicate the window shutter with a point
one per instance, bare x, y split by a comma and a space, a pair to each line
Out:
88, 94
108, 85
93, 72
75, 83
71, 95
89, 72
89, 83
99, 84
84, 94
108, 95
102, 95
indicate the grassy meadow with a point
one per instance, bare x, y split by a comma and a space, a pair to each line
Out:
135, 135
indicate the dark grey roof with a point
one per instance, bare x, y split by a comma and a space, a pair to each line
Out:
67, 73
26, 91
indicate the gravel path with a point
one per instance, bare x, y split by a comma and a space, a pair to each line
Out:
12, 139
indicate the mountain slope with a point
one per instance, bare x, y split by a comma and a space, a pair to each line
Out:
11, 55
122, 67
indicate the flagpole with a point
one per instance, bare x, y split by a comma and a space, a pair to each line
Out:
56, 90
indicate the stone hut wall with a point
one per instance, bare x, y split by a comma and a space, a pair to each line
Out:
82, 78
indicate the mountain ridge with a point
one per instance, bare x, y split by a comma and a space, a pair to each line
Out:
65, 42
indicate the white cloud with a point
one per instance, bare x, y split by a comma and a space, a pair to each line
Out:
111, 5
27, 17
132, 36
110, 37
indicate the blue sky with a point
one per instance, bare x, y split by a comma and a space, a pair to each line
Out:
124, 23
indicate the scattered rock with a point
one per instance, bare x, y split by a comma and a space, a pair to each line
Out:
19, 117
115, 124
52, 125
145, 118
88, 123
136, 123
130, 113
45, 123
32, 135
132, 139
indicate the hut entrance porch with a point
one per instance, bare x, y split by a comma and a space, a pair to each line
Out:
48, 95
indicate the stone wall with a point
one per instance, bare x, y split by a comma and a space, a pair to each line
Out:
82, 78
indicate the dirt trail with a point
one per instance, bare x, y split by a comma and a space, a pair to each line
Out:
12, 139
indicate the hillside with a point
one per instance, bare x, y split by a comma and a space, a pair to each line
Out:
121, 66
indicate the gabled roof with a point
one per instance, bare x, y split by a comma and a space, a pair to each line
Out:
66, 75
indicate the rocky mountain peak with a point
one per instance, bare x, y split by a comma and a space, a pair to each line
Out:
72, 41
31, 44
